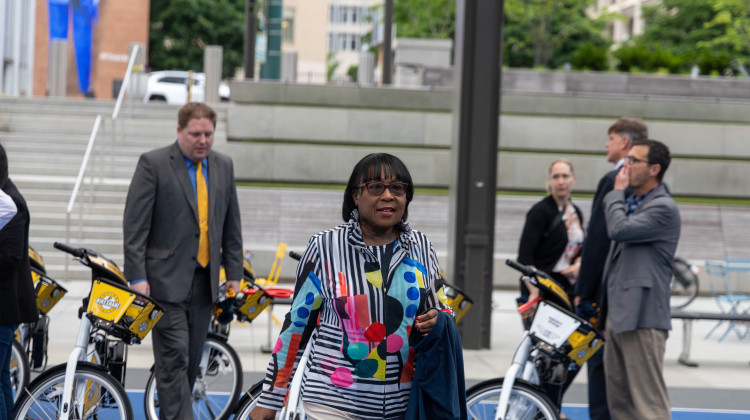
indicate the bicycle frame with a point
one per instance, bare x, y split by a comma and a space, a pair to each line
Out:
291, 410
520, 368
79, 353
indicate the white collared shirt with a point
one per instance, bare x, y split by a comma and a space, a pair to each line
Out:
7, 209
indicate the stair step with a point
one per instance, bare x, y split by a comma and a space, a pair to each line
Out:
46, 139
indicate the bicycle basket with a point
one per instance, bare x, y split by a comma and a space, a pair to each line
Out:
121, 311
48, 291
566, 332
457, 300
251, 303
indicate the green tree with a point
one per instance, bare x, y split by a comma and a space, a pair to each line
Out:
732, 18
331, 65
432, 19
547, 33
180, 29
679, 34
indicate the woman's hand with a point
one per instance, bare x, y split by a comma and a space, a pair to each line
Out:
426, 321
571, 272
262, 413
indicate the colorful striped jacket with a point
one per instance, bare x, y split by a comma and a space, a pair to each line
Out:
367, 298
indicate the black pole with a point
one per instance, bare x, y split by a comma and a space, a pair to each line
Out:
475, 148
387, 53
249, 52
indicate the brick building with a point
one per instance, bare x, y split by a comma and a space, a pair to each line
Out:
120, 24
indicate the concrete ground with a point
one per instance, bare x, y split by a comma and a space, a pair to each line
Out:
722, 381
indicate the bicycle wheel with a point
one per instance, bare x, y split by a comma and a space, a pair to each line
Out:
19, 369
215, 393
684, 285
526, 402
96, 395
248, 401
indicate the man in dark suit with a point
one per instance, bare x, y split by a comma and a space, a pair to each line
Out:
181, 224
644, 225
594, 254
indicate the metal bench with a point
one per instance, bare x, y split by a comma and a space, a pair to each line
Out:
687, 328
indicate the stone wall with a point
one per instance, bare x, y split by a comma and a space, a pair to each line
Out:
315, 134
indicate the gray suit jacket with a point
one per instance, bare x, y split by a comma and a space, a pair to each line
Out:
160, 224
639, 265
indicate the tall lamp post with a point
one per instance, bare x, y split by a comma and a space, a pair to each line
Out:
476, 113
249, 51
387, 47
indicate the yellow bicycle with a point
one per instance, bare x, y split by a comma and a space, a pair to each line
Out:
90, 384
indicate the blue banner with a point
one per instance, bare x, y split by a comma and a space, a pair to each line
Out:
85, 14
58, 19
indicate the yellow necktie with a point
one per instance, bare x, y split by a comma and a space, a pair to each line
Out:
204, 254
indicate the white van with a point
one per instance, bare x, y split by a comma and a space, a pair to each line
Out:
170, 86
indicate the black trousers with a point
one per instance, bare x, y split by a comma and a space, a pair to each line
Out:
178, 340
597, 387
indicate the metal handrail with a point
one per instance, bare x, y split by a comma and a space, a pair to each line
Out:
125, 81
90, 147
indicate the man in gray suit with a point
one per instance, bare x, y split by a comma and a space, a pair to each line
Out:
181, 224
644, 228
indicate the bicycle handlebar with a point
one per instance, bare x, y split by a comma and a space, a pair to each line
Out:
76, 252
296, 255
526, 271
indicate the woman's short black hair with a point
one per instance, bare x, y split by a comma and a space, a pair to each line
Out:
374, 167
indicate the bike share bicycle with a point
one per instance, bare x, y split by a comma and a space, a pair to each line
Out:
219, 382
553, 339
90, 384
30, 346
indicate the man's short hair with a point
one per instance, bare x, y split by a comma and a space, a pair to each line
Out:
195, 110
658, 152
632, 128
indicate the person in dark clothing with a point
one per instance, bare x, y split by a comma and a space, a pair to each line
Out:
553, 233
588, 291
551, 241
17, 296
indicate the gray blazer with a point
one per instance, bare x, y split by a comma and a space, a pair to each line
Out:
639, 264
160, 224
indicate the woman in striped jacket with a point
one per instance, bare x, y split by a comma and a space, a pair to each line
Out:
371, 282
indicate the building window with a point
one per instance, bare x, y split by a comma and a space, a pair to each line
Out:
287, 26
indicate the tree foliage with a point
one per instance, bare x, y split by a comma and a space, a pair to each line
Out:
180, 29
712, 34
547, 33
433, 19
544, 33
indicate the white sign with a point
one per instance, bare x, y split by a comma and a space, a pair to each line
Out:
553, 325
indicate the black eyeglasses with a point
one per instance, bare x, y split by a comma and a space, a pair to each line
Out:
377, 188
633, 159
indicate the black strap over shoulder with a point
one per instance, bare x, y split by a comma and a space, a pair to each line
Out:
556, 221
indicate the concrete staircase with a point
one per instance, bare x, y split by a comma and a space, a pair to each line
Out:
46, 140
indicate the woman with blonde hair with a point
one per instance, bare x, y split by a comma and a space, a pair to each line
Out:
553, 233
